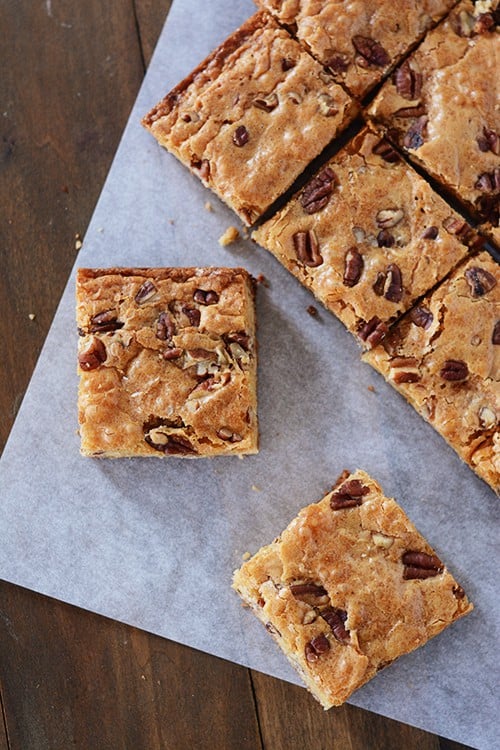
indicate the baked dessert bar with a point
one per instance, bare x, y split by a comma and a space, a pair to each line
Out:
358, 41
368, 236
167, 361
444, 358
441, 106
348, 587
252, 116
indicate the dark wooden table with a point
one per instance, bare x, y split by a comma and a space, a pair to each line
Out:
70, 679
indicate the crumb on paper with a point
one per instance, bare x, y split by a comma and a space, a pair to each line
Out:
32, 316
171, 222
230, 235
209, 207
312, 311
100, 229
78, 241
255, 488
371, 388
245, 233
246, 556
261, 279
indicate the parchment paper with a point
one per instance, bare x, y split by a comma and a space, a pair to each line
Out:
142, 540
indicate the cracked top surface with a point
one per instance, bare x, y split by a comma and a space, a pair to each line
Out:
442, 106
380, 210
369, 599
250, 118
330, 29
444, 357
166, 361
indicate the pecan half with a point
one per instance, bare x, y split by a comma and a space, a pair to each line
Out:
420, 565
307, 248
414, 136
353, 267
240, 136
408, 81
266, 102
206, 297
489, 141
146, 291
430, 233
371, 50
421, 317
336, 618
104, 322
349, 495
93, 355
495, 337
317, 192
372, 331
299, 590
480, 281
165, 327
386, 152
454, 370
316, 647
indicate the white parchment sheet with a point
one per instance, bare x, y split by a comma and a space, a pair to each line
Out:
144, 540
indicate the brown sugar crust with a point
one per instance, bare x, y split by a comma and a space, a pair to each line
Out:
444, 357
382, 238
167, 362
251, 117
442, 107
353, 571
359, 41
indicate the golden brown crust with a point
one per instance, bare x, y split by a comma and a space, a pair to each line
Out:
349, 587
444, 357
251, 117
441, 106
383, 237
359, 41
167, 361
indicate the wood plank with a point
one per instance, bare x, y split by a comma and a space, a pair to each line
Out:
150, 15
70, 73
74, 679
303, 723
4, 745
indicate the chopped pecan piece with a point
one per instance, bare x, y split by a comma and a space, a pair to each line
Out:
421, 317
93, 355
389, 217
454, 370
480, 280
488, 207
336, 61
371, 50
266, 102
316, 647
489, 181
317, 192
495, 337
307, 248
489, 141
336, 618
298, 590
484, 22
192, 314
421, 565
372, 331
240, 136
487, 417
145, 292
272, 629
238, 337
104, 322
353, 267
173, 353
206, 297
386, 152
165, 327
430, 233
406, 112
385, 238
408, 81
226, 434
394, 283
327, 105
379, 284
178, 446
287, 64
349, 495
202, 166
414, 137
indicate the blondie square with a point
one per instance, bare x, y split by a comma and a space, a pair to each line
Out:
252, 116
360, 42
441, 106
348, 587
367, 236
167, 362
444, 358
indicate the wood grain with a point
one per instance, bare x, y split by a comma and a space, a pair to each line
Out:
3, 729
150, 15
72, 679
